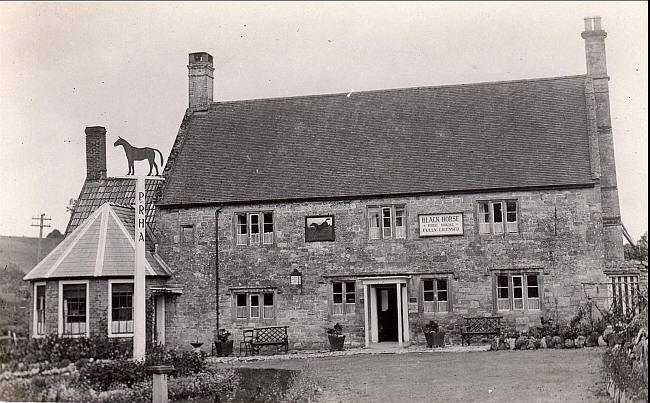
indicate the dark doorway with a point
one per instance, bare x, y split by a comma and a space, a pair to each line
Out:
387, 313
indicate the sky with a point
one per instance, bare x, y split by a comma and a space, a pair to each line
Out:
123, 65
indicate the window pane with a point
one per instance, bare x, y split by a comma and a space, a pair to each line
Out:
442, 284
268, 222
255, 224
484, 212
349, 293
428, 285
502, 286
241, 299
242, 225
268, 299
399, 217
498, 212
255, 300
442, 295
511, 211
373, 223
337, 287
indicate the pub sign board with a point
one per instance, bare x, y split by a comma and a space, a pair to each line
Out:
440, 224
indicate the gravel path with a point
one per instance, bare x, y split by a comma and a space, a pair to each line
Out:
490, 376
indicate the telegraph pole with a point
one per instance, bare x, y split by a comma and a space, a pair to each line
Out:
41, 224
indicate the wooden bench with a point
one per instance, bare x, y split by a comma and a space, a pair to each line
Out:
480, 326
269, 336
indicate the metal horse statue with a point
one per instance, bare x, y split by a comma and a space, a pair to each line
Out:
139, 154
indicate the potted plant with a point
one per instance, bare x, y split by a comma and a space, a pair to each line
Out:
335, 337
435, 337
223, 343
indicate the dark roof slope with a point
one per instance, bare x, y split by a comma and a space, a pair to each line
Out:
432, 139
95, 193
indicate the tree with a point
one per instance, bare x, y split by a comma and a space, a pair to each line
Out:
72, 203
55, 234
639, 251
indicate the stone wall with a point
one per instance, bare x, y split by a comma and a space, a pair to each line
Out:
560, 237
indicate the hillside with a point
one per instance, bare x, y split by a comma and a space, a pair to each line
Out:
18, 255
22, 251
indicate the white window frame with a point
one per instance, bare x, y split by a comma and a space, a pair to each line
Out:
35, 333
248, 308
60, 314
527, 304
261, 237
381, 230
110, 308
492, 227
436, 306
344, 307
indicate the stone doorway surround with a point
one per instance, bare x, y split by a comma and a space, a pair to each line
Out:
370, 289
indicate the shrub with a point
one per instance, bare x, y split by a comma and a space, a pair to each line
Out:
304, 386
103, 375
623, 374
209, 383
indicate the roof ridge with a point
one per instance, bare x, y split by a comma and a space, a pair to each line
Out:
479, 83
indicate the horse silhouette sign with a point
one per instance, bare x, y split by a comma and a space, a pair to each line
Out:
139, 154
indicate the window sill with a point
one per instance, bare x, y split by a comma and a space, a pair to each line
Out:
74, 336
119, 335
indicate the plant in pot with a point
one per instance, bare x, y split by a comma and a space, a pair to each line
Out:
335, 337
435, 337
223, 343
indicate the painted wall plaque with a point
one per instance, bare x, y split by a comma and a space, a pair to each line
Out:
319, 228
440, 224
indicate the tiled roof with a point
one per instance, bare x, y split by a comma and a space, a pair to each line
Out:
95, 193
404, 141
102, 246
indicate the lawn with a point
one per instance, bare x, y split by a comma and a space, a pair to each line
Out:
492, 376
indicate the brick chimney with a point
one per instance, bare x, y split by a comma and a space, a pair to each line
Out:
95, 153
200, 73
594, 37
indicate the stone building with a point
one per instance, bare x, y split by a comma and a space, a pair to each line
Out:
382, 210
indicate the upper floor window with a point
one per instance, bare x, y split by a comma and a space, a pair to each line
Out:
435, 295
343, 297
497, 217
387, 222
517, 291
254, 228
187, 233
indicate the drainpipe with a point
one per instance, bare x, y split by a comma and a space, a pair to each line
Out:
216, 259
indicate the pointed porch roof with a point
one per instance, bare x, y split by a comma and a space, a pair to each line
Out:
102, 246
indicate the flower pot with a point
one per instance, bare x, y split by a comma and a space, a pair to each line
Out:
435, 339
224, 348
336, 342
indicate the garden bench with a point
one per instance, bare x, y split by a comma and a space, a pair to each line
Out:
269, 336
480, 326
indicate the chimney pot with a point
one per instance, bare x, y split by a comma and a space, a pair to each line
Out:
588, 26
200, 74
597, 26
95, 153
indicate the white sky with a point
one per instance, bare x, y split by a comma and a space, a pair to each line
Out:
65, 66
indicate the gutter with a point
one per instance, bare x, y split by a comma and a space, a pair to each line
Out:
216, 261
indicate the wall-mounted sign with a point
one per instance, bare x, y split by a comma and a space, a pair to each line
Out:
319, 228
441, 224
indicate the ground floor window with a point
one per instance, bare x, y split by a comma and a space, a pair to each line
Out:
254, 305
120, 297
623, 292
517, 291
435, 295
39, 309
343, 297
73, 319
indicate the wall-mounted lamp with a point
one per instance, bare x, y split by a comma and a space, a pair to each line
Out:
295, 279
